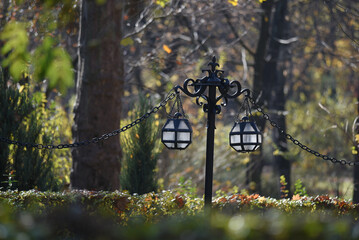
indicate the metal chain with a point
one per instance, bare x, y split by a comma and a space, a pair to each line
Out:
246, 109
178, 104
171, 94
296, 142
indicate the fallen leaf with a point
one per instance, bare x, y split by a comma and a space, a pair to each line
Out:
167, 48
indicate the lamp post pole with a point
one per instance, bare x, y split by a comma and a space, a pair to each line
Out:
227, 89
210, 145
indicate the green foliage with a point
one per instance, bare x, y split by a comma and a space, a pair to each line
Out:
10, 180
186, 187
140, 152
153, 206
23, 119
54, 64
283, 187
117, 215
300, 189
15, 48
48, 61
324, 125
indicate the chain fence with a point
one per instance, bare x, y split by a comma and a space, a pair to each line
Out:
171, 94
297, 142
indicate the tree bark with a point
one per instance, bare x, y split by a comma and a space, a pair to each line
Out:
275, 82
99, 91
255, 165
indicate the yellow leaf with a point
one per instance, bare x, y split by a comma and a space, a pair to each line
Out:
357, 138
277, 152
262, 199
162, 3
354, 151
233, 2
137, 136
246, 160
126, 41
167, 48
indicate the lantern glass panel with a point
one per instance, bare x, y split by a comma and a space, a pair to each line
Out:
169, 145
182, 145
168, 136
237, 148
248, 128
248, 147
235, 139
250, 138
183, 136
170, 125
182, 125
236, 128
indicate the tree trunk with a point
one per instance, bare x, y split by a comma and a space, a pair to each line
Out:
275, 82
255, 165
99, 92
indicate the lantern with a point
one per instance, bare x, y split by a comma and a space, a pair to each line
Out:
177, 133
245, 136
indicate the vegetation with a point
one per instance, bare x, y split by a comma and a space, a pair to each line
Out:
22, 117
138, 173
116, 214
299, 58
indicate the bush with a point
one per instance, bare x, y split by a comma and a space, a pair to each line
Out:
166, 215
22, 118
140, 152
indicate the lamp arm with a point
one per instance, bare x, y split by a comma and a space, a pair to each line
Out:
225, 88
199, 89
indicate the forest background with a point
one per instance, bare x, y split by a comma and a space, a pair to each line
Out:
299, 58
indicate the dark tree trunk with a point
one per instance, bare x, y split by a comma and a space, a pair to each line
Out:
99, 92
255, 165
274, 83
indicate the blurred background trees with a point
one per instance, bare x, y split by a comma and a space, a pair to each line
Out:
300, 59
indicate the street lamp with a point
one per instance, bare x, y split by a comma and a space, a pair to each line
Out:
244, 136
177, 133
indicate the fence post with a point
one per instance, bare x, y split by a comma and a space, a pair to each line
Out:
356, 157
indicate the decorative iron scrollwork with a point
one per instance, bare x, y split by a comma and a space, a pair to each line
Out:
215, 78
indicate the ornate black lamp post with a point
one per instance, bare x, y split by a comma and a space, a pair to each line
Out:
244, 136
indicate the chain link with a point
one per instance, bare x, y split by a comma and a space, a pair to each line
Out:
177, 103
171, 95
297, 142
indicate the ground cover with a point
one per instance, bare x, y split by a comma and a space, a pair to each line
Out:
109, 215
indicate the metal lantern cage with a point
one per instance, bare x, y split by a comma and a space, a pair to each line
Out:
177, 133
245, 136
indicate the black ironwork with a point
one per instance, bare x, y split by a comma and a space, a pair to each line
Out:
209, 102
205, 92
245, 136
177, 132
171, 95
